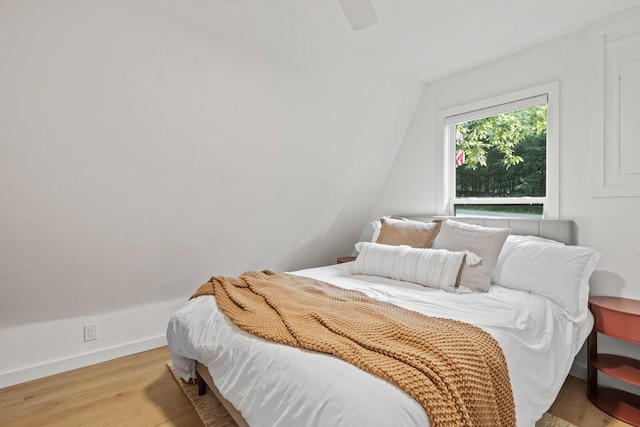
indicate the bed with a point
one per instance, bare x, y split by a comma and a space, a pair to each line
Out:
535, 308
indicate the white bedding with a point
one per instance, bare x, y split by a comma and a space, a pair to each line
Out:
276, 385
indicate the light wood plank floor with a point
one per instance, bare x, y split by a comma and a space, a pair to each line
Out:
135, 390
139, 390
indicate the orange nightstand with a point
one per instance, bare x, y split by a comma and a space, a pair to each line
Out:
618, 318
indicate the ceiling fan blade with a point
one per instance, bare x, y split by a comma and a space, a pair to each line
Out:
360, 13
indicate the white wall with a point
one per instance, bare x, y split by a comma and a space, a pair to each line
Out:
147, 145
606, 224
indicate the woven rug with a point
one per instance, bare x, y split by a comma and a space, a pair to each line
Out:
213, 414
209, 409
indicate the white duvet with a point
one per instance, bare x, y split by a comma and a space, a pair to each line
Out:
276, 385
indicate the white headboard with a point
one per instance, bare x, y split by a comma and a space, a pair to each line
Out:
557, 229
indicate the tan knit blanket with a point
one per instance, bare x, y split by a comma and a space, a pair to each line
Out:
456, 371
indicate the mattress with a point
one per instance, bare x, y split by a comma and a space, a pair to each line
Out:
276, 385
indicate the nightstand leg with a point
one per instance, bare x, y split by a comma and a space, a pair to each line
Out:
592, 351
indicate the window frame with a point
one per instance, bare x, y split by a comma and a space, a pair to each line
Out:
492, 106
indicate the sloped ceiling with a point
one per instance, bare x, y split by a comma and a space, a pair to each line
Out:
146, 145
431, 39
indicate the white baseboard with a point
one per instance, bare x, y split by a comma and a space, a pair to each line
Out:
37, 350
51, 368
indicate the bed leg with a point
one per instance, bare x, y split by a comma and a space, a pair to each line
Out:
202, 386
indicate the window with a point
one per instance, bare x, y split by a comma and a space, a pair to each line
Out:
500, 156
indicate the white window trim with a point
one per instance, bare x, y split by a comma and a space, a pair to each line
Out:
446, 149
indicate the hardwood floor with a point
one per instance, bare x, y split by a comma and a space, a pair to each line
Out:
139, 390
135, 390
573, 405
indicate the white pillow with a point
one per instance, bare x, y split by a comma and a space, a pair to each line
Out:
428, 267
486, 242
558, 272
520, 237
377, 225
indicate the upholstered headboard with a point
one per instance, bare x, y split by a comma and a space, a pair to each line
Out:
557, 229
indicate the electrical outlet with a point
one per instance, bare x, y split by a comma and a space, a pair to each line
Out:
90, 332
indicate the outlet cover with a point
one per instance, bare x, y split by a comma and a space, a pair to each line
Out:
90, 332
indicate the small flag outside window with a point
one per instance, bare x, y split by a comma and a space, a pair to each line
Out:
460, 158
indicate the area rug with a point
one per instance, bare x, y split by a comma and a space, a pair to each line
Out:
208, 408
213, 414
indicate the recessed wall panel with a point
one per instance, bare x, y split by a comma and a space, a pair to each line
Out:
629, 95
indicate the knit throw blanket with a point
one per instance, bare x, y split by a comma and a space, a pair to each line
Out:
456, 371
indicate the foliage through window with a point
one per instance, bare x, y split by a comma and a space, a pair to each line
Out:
503, 155
500, 160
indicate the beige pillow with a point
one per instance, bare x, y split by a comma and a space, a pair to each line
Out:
486, 242
416, 234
